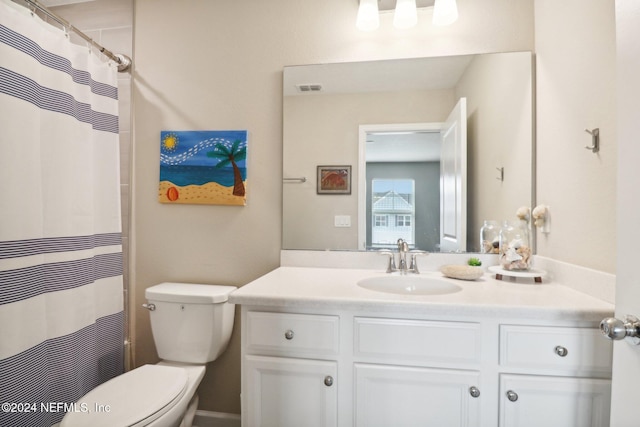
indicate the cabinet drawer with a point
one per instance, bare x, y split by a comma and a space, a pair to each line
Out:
555, 348
301, 335
418, 342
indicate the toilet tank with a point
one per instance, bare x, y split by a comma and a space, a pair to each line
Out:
190, 323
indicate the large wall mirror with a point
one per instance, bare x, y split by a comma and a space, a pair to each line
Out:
421, 149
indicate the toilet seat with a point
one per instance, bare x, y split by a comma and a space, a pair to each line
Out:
135, 398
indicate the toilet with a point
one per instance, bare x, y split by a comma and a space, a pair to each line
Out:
191, 325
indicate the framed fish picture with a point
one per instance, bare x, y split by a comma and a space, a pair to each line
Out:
203, 167
334, 180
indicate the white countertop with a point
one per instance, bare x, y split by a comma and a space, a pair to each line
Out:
336, 288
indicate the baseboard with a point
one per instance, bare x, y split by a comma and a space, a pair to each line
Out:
215, 419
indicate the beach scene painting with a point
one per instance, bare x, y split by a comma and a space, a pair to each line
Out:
203, 167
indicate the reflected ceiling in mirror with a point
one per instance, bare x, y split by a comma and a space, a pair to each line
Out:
324, 106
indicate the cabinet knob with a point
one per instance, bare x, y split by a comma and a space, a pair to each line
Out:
561, 351
288, 334
474, 391
512, 395
328, 380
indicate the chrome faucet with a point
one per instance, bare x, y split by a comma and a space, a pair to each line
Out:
402, 267
403, 248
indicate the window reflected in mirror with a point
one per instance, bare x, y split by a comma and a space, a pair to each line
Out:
392, 212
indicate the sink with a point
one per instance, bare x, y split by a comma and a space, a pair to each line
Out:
409, 285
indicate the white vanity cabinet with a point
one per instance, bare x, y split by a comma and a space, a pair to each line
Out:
319, 350
554, 376
534, 401
287, 392
322, 367
403, 372
411, 396
289, 369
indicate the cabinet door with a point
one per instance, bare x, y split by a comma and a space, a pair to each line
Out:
405, 396
284, 392
528, 401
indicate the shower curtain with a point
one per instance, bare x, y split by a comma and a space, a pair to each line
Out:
61, 293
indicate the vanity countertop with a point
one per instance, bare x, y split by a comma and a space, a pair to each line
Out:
336, 288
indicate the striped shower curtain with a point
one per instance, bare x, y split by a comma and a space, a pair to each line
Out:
61, 296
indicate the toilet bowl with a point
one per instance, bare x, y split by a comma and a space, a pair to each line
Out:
191, 325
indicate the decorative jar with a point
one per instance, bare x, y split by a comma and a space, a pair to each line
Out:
490, 237
515, 247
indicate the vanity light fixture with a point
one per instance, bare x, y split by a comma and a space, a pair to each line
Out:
368, 18
406, 14
445, 12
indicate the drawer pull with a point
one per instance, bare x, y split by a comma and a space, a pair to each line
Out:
288, 334
474, 391
512, 396
328, 380
561, 351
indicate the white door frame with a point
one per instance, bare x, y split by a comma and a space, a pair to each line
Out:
626, 357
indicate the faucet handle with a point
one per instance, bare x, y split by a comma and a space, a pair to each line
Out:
414, 260
391, 266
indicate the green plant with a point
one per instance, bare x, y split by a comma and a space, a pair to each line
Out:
474, 262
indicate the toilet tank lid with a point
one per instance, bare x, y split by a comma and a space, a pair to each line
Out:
189, 293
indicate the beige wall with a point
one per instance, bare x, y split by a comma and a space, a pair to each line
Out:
323, 130
575, 50
499, 135
218, 65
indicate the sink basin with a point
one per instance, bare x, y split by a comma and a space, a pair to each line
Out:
409, 285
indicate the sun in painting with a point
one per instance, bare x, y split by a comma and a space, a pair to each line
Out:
170, 142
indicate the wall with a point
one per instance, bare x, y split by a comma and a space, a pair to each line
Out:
218, 65
499, 135
323, 130
575, 62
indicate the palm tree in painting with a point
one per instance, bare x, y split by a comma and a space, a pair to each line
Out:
229, 154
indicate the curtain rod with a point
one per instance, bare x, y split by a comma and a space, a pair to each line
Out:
123, 61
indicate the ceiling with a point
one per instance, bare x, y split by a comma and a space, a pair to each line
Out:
377, 76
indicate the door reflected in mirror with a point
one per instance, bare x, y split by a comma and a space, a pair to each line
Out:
325, 126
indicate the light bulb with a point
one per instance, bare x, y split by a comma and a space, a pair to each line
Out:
445, 12
406, 14
368, 18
